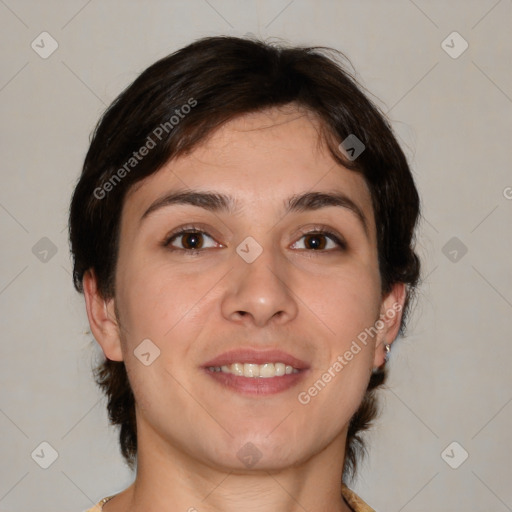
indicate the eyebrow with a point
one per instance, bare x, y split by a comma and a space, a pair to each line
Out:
215, 202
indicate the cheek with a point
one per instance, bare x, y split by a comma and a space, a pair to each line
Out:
349, 300
155, 298
349, 304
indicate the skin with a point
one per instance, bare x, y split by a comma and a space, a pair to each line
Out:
309, 303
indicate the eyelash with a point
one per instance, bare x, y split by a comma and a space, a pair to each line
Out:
317, 230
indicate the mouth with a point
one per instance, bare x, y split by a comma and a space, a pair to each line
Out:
264, 371
256, 372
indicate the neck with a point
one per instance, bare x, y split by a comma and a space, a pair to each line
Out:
169, 480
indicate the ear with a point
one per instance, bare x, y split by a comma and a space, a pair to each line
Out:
102, 318
389, 321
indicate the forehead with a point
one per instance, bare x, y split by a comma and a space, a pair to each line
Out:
283, 139
261, 158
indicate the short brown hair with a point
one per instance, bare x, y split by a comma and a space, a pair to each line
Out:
221, 78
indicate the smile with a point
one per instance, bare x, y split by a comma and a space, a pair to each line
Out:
249, 371
265, 371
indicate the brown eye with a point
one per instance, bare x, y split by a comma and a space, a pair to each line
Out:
315, 242
320, 241
190, 240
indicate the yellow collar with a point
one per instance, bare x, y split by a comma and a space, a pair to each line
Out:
354, 501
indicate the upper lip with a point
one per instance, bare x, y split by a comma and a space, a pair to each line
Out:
256, 357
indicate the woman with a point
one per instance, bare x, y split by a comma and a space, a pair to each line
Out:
243, 234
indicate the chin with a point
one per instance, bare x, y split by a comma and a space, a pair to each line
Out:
264, 450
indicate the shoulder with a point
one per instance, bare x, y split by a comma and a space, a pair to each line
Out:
96, 508
99, 506
354, 501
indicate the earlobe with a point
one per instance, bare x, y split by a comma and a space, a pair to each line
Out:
102, 318
390, 320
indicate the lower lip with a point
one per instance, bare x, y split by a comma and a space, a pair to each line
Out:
257, 385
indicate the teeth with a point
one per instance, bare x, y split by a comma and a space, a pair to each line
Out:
251, 370
265, 371
236, 369
280, 369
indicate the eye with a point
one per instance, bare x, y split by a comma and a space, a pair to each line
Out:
190, 240
321, 240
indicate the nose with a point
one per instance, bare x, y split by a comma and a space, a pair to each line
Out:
260, 292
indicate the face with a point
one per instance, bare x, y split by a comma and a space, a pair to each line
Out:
263, 281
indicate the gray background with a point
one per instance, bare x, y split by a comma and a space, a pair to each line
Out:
450, 378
